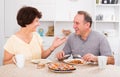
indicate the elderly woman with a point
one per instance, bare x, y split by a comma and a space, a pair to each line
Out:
27, 41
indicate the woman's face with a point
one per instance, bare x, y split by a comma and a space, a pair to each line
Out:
34, 24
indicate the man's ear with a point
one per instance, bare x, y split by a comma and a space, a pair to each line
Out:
88, 25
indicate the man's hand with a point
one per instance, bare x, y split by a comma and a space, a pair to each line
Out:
60, 55
90, 57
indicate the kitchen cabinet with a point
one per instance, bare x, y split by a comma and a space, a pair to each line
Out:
107, 21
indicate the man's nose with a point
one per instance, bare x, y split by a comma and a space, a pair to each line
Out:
74, 26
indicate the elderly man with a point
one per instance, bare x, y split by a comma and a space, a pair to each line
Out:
86, 42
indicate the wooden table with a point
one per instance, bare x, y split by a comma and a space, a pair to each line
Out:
30, 70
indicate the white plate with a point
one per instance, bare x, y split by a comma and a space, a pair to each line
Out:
91, 63
83, 62
58, 71
44, 61
69, 61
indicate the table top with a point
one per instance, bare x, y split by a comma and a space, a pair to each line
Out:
31, 70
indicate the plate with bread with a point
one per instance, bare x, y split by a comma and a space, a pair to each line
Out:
61, 67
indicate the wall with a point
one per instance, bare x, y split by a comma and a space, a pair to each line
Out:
52, 10
1, 29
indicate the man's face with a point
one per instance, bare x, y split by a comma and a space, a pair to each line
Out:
79, 24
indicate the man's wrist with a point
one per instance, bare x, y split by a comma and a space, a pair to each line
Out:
96, 59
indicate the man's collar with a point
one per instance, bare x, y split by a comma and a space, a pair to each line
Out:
85, 36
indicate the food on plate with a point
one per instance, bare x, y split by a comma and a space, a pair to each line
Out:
40, 65
60, 67
76, 61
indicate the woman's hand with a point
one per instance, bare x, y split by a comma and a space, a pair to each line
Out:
57, 42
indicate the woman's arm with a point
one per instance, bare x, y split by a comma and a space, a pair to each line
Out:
7, 58
56, 43
47, 52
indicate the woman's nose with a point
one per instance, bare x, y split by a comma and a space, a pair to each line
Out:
39, 24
